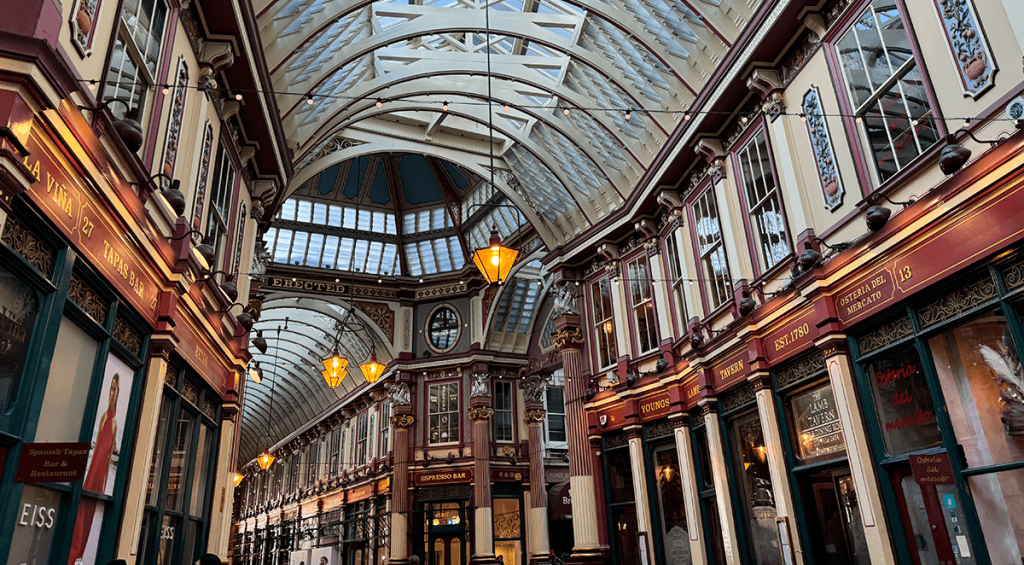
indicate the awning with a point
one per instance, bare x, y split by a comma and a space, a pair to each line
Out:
559, 502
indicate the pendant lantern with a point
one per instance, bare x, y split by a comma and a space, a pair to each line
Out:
495, 262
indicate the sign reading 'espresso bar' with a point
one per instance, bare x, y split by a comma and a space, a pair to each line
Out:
445, 477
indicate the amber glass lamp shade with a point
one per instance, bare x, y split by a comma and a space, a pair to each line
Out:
495, 261
372, 369
334, 375
265, 460
238, 478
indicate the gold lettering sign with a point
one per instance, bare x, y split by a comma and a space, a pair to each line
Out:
654, 406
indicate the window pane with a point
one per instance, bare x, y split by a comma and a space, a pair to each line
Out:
18, 309
759, 496
179, 457
903, 402
995, 497
67, 387
157, 462
199, 474
620, 476
671, 506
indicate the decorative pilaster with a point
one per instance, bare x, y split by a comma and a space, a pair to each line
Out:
723, 493
402, 421
540, 546
865, 478
480, 413
691, 494
569, 339
784, 505
640, 498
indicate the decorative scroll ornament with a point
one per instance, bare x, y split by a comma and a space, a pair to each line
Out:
957, 301
535, 415
568, 337
204, 173
886, 334
402, 421
533, 388
82, 19
175, 121
127, 335
25, 242
480, 413
481, 386
824, 156
967, 42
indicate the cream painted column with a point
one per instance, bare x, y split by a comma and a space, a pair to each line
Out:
716, 451
623, 337
858, 452
795, 203
691, 493
223, 493
777, 470
737, 252
581, 472
149, 420
640, 497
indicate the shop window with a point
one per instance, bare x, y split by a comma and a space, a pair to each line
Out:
621, 502
373, 437
385, 428
222, 190
508, 530
67, 387
136, 55
181, 472
362, 439
503, 394
643, 305
764, 205
755, 489
671, 505
604, 325
677, 276
982, 380
19, 306
814, 422
886, 89
711, 249
443, 413
554, 404
906, 414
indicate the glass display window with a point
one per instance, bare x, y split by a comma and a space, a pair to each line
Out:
816, 431
755, 489
509, 536
670, 505
905, 409
443, 413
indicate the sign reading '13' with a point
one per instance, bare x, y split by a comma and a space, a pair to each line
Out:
78, 214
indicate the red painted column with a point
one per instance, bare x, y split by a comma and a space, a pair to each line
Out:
569, 339
402, 420
480, 413
533, 394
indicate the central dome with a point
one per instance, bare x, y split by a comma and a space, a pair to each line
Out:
389, 214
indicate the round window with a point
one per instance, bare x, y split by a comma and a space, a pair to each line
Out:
443, 328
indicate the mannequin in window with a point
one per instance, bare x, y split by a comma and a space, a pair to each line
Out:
104, 455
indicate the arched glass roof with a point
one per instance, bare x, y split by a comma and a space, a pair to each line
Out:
388, 214
354, 77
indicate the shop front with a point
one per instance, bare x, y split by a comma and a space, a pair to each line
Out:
441, 514
943, 391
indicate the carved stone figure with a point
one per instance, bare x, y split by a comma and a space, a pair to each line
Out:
401, 395
260, 260
534, 387
481, 386
564, 301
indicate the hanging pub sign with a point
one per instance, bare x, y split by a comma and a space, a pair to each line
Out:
52, 462
443, 477
816, 424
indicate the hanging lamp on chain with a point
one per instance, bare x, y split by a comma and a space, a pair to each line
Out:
372, 369
495, 261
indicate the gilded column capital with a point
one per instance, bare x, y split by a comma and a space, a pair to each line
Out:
568, 337
535, 414
402, 420
480, 413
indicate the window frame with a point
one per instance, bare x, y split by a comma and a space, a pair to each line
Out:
386, 410
608, 321
362, 438
670, 248
753, 233
866, 167
557, 382
634, 322
148, 76
223, 189
708, 190
510, 411
457, 413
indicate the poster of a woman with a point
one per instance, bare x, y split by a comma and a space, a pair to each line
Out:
101, 469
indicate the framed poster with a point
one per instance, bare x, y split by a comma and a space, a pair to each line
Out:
785, 542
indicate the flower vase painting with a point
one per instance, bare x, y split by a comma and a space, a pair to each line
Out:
967, 42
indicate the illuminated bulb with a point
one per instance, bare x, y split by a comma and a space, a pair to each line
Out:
238, 96
686, 116
803, 117
566, 111
967, 122
165, 90
859, 119
379, 104
628, 115
743, 119
309, 100
495, 260
507, 108
445, 107
914, 122
92, 85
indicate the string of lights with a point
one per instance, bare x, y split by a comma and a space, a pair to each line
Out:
448, 105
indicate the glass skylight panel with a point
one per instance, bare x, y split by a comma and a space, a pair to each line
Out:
316, 246
532, 291
345, 254
442, 256
387, 259
427, 258
390, 226
288, 210
298, 252
359, 255
305, 208
378, 223
330, 252
283, 246
412, 256
374, 258
319, 213
334, 216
